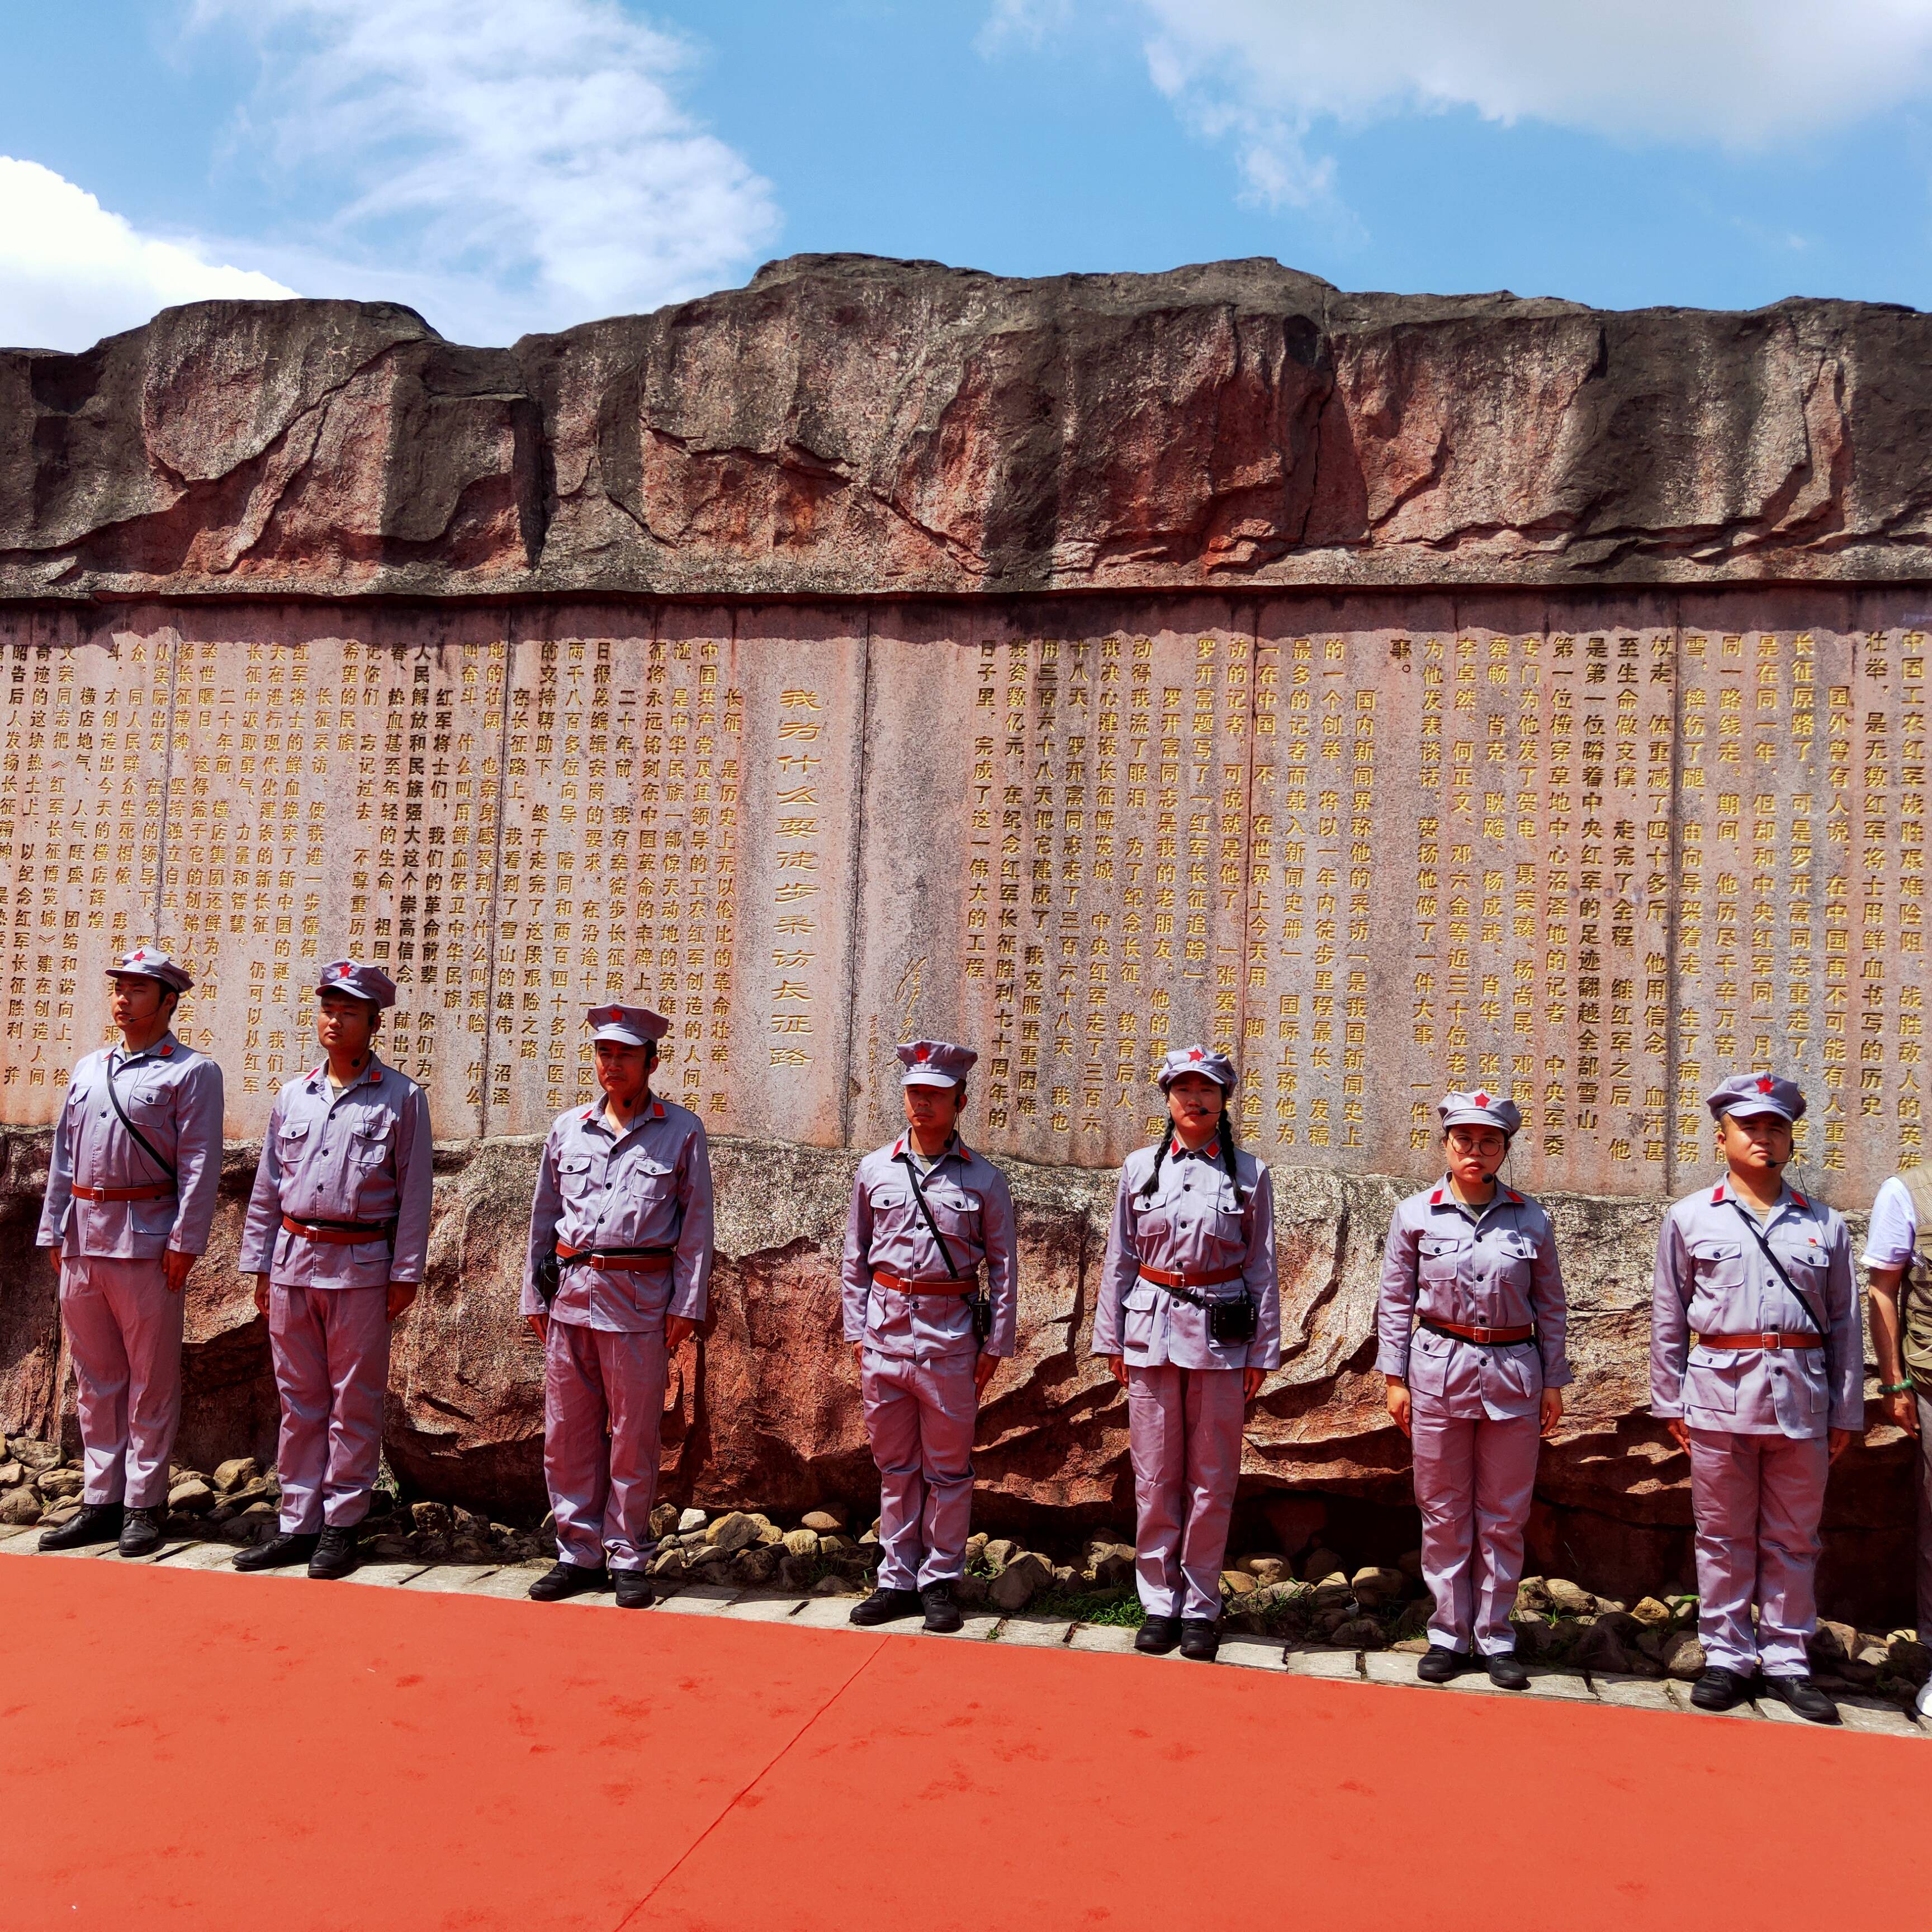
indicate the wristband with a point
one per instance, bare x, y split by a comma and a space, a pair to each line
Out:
1896, 1388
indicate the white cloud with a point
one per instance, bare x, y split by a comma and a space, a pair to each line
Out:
1733, 74
71, 272
503, 165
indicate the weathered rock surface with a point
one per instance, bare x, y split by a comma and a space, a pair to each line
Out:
766, 1416
846, 425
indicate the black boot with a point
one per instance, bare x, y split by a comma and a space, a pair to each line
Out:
281, 1553
1200, 1639
942, 1613
887, 1606
1507, 1672
334, 1555
633, 1590
1720, 1690
1803, 1697
568, 1579
1442, 1664
1158, 1636
97, 1522
140, 1532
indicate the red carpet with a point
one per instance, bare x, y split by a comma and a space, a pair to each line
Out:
204, 1751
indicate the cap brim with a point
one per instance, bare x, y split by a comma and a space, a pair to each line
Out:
1472, 1119
925, 1076
616, 1036
1750, 1110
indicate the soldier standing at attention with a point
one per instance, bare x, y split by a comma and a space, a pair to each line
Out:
1898, 1261
337, 1233
1476, 1383
926, 1213
1188, 1317
618, 1275
1763, 1399
131, 1193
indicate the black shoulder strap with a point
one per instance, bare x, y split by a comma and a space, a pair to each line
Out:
932, 1226
141, 1140
1810, 1315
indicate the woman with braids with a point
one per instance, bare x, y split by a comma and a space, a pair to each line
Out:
1470, 1326
1190, 1320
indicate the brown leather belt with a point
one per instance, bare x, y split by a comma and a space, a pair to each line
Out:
1161, 1278
1773, 1339
966, 1285
1487, 1338
337, 1234
621, 1261
153, 1190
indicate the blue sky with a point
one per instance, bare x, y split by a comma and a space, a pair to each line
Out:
512, 164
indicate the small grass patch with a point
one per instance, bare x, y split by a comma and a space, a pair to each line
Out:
1090, 1607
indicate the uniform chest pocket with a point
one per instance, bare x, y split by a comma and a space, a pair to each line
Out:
1717, 1265
1439, 1257
292, 1142
368, 1142
956, 1214
1155, 1227
146, 1103
646, 1180
574, 1176
1510, 1257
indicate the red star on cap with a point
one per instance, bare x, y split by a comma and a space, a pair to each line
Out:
1482, 1100
142, 954
1764, 1083
1194, 1053
921, 1053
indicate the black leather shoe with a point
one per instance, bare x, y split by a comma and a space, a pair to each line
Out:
282, 1553
1158, 1635
1803, 1697
1720, 1690
568, 1579
1200, 1639
1507, 1673
334, 1554
140, 1532
942, 1613
887, 1606
97, 1522
633, 1590
1441, 1663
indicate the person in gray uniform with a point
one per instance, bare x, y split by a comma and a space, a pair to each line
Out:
1188, 1315
927, 1214
617, 1277
1898, 1272
131, 1183
1470, 1323
337, 1236
1757, 1364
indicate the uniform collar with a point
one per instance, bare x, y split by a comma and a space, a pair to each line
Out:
1443, 1196
1788, 1197
318, 1076
954, 1149
166, 1048
593, 1116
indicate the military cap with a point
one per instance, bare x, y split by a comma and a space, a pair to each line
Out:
1204, 1060
359, 982
1481, 1108
1746, 1093
626, 1026
935, 1062
152, 964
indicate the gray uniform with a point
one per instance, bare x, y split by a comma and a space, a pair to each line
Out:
605, 1366
124, 1327
1474, 1406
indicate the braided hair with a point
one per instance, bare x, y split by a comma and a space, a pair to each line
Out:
1228, 1149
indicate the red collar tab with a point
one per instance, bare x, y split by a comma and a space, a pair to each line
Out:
1717, 1194
166, 1052
1515, 1198
657, 1110
1799, 1199
1436, 1199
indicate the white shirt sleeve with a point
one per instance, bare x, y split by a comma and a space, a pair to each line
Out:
1893, 1230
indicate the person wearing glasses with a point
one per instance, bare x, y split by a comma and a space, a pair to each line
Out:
1470, 1323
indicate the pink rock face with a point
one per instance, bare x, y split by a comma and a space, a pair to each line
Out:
849, 424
